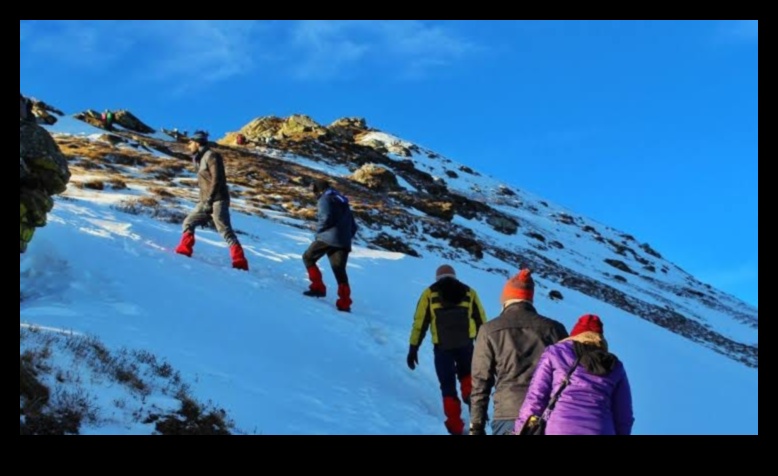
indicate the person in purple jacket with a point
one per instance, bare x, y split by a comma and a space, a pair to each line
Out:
597, 399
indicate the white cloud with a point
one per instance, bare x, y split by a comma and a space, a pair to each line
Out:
201, 50
82, 43
411, 48
196, 52
189, 51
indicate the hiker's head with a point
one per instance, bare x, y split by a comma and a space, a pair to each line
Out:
198, 139
319, 186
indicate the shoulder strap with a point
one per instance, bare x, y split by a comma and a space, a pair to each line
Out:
562, 386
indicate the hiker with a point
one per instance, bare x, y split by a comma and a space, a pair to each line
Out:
597, 400
335, 229
506, 351
107, 118
214, 201
454, 312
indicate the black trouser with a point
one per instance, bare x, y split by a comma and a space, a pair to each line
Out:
337, 256
452, 365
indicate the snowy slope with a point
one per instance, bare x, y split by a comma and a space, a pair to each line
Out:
280, 363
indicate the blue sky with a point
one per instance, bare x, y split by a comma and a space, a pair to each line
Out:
650, 127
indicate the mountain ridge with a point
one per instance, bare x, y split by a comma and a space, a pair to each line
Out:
428, 203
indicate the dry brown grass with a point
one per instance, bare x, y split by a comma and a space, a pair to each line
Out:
151, 206
58, 400
116, 184
161, 192
92, 184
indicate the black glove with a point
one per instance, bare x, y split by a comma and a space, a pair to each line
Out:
476, 430
413, 357
208, 207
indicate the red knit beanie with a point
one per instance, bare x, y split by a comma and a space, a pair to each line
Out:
521, 286
587, 323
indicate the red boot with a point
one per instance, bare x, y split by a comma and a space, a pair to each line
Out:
344, 298
238, 259
452, 407
317, 288
186, 246
466, 386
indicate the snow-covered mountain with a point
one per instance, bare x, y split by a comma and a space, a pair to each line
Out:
279, 363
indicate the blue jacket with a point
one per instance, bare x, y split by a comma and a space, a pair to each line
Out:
336, 225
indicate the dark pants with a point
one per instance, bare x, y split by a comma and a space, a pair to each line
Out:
337, 256
452, 365
220, 216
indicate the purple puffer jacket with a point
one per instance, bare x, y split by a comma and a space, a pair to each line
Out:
590, 404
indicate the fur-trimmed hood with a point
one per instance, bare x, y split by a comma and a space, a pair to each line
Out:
592, 349
593, 338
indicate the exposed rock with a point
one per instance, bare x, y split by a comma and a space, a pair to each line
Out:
257, 131
391, 243
536, 235
647, 248
346, 128
376, 177
25, 110
398, 148
503, 190
468, 170
300, 126
471, 245
555, 295
435, 208
43, 172
620, 265
43, 112
564, 217
91, 117
128, 121
376, 145
175, 134
503, 224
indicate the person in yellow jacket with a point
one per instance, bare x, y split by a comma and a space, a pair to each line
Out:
453, 312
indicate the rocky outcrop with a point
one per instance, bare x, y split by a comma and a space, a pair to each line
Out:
396, 146
38, 111
376, 178
43, 172
91, 117
503, 224
390, 243
44, 112
297, 127
300, 126
346, 128
123, 118
128, 121
260, 129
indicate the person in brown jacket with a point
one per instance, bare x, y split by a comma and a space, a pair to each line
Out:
214, 201
506, 352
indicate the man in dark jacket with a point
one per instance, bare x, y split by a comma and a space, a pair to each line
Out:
454, 313
214, 201
506, 352
335, 229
